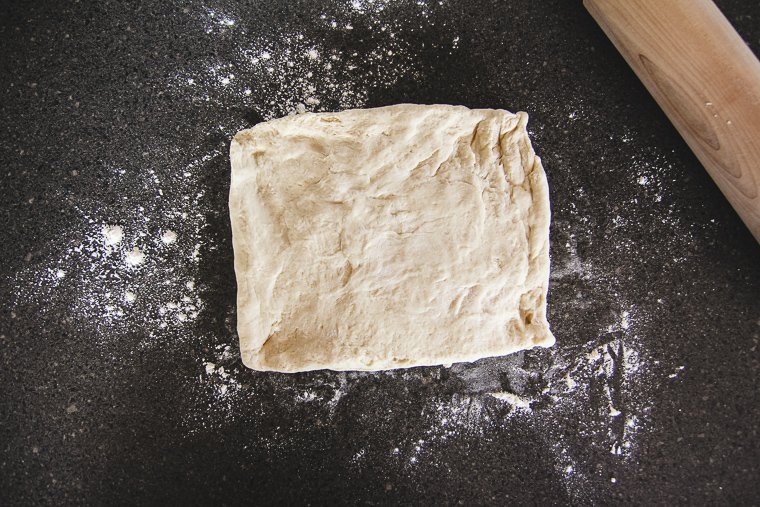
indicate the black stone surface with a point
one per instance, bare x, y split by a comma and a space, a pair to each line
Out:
98, 411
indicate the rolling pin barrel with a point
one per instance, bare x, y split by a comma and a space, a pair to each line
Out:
704, 77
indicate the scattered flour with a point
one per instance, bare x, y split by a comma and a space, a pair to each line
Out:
306, 396
137, 270
295, 72
104, 270
221, 380
218, 384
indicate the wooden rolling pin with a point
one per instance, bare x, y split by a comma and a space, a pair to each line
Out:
704, 77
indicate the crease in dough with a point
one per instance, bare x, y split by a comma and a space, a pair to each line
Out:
385, 238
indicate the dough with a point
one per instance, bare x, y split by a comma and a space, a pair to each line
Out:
386, 238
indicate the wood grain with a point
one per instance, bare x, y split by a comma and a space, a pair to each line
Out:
704, 77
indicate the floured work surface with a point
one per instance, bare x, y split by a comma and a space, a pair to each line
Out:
385, 238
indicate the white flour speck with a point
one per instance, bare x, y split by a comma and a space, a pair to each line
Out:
134, 257
169, 237
112, 234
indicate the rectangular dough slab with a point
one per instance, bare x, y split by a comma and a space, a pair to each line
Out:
386, 238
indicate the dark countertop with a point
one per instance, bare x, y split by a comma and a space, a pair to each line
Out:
121, 383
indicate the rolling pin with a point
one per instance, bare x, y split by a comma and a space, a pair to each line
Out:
704, 77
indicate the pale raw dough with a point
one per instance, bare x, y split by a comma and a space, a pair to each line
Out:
386, 238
